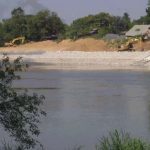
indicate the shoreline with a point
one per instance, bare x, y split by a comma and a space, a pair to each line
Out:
79, 60
94, 68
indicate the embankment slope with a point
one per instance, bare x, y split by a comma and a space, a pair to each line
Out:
88, 44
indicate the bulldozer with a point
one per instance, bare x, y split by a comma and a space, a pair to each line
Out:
16, 41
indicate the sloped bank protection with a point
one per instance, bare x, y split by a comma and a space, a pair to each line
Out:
86, 60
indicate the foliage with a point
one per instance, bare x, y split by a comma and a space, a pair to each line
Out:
15, 26
19, 112
121, 141
46, 25
144, 19
114, 141
103, 22
148, 8
17, 12
33, 27
1, 35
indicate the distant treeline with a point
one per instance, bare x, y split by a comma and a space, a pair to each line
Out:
48, 25
99, 25
33, 27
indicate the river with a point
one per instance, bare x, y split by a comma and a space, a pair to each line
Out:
82, 106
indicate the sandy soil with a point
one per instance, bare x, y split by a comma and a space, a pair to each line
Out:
88, 44
86, 54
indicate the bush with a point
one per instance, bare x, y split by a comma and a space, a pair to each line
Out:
20, 112
121, 141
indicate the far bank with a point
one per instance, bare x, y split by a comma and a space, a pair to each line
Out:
87, 45
80, 60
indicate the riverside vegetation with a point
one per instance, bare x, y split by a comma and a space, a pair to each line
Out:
114, 141
20, 112
119, 141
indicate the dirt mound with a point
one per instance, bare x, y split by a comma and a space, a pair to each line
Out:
88, 44
142, 46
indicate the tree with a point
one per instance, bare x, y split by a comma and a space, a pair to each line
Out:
144, 19
1, 35
17, 12
126, 21
148, 8
19, 112
103, 22
44, 23
15, 26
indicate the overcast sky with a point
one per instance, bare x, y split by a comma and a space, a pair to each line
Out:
69, 10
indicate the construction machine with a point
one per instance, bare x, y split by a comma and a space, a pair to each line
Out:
129, 44
16, 41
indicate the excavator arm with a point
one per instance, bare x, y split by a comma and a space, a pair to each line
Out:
21, 40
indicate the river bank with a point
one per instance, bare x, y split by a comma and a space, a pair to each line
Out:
80, 60
85, 45
88, 44
82, 54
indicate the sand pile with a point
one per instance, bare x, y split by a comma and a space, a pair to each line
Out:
142, 46
88, 44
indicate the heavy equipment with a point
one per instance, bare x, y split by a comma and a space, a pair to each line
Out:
129, 44
16, 41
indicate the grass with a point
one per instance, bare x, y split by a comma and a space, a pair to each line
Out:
121, 141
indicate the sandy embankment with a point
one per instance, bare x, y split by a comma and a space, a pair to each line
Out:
88, 44
82, 54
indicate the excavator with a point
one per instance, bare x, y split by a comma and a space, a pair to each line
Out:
16, 41
129, 44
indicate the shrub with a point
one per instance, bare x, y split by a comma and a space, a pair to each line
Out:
121, 141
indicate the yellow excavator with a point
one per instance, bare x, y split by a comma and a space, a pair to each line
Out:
129, 44
16, 41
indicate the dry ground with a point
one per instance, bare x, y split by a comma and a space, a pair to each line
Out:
87, 45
